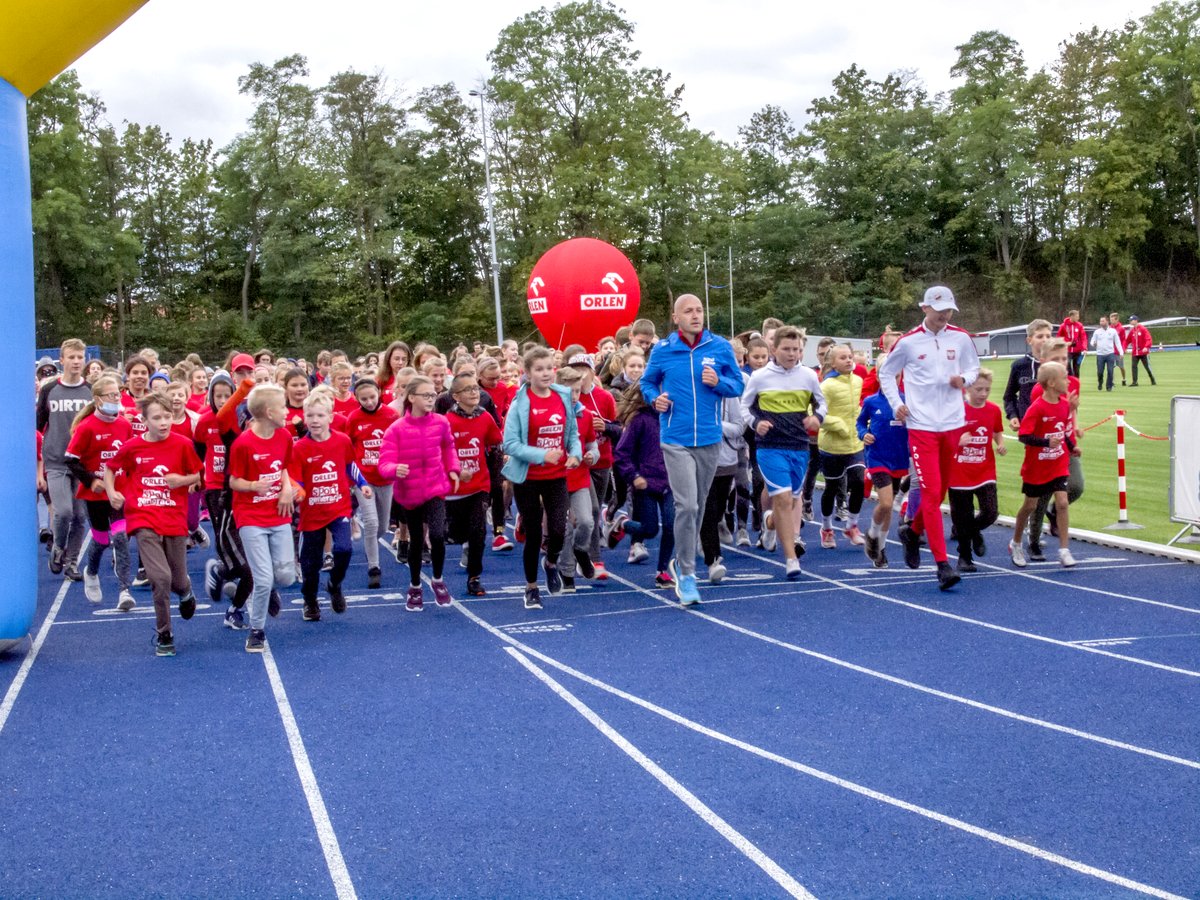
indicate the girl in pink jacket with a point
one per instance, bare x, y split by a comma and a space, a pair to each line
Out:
418, 454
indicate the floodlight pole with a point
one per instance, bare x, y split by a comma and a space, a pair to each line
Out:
487, 174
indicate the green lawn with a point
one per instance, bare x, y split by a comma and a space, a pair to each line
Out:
1147, 463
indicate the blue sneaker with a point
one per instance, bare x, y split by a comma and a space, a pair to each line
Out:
689, 594
235, 619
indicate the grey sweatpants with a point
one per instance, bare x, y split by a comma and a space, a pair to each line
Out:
70, 513
690, 471
580, 528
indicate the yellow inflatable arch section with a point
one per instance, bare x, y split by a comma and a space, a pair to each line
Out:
38, 39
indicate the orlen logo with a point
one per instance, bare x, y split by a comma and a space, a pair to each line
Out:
615, 300
536, 304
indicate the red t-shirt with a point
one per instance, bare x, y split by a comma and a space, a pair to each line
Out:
208, 434
547, 424
347, 406
1072, 388
600, 402
975, 464
366, 434
197, 402
260, 459
472, 438
320, 468
132, 413
186, 428
580, 477
1043, 419
293, 420
95, 443
149, 503
387, 392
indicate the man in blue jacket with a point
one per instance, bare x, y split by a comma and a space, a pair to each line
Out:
687, 377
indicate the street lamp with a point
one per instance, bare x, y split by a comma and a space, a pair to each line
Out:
487, 174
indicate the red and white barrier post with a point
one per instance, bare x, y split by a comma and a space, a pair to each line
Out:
1122, 523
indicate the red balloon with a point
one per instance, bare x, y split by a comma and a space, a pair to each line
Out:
581, 291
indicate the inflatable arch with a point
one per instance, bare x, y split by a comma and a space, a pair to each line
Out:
38, 39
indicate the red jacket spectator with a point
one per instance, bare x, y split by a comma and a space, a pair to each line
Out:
1075, 334
1139, 341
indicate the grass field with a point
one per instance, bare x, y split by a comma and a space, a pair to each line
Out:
1147, 463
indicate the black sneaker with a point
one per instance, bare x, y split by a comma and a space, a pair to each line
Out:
373, 578
337, 600
257, 641
568, 584
881, 559
554, 583
47, 536
978, 547
475, 587
946, 576
312, 610
912, 546
966, 565
533, 598
1035, 552
800, 547
72, 573
57, 557
586, 568
872, 545
140, 579
187, 605
214, 581
274, 604
402, 551
164, 644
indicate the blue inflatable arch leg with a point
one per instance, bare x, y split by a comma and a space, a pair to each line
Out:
18, 499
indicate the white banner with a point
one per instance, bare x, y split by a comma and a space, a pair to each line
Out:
1185, 460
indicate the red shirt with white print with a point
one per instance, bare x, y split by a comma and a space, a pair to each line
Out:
1043, 464
547, 431
320, 467
209, 434
366, 434
95, 444
473, 436
975, 464
1072, 388
260, 459
600, 403
132, 413
580, 477
144, 465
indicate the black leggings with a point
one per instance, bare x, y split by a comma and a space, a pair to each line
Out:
852, 477
466, 520
495, 462
533, 498
714, 510
967, 523
432, 515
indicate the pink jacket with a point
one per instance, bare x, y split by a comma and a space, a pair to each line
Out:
426, 446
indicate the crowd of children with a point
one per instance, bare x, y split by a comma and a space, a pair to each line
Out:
692, 440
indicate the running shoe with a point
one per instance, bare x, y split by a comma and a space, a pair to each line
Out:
91, 588
1017, 554
187, 605
638, 553
164, 644
716, 571
946, 576
689, 593
274, 604
519, 532
72, 573
584, 564
475, 587
664, 580
600, 570
673, 575
724, 535
792, 569
416, 599
57, 557
327, 563
235, 619
767, 538
553, 577
1065, 559
312, 610
881, 559
912, 546
200, 537
828, 539
872, 544
854, 535
501, 542
337, 600
800, 547
966, 566
533, 598
140, 579
839, 512
373, 574
807, 512
256, 641
441, 594
614, 530
978, 547
400, 546
742, 539
214, 583
568, 584
1036, 553
125, 601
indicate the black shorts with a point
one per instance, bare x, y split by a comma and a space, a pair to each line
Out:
834, 465
883, 478
1044, 490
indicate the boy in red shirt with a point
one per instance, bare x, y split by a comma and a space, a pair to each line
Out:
366, 427
973, 471
1046, 434
158, 469
475, 433
262, 504
1056, 350
321, 467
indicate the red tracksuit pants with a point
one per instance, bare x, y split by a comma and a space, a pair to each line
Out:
932, 454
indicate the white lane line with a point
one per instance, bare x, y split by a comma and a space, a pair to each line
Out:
981, 624
862, 790
338, 872
10, 696
934, 692
690, 800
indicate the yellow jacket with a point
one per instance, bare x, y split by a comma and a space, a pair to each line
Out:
838, 432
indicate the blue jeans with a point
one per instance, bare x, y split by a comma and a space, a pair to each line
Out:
1105, 363
272, 560
647, 507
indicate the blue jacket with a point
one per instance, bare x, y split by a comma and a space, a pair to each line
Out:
638, 453
521, 455
890, 450
674, 368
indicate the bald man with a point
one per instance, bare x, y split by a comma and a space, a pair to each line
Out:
687, 378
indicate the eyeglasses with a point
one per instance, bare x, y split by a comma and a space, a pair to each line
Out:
425, 396
111, 395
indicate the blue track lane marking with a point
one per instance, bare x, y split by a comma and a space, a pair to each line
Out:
862, 790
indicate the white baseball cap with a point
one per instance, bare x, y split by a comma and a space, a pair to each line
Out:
939, 298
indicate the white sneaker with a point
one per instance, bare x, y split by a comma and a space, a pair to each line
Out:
125, 601
1065, 558
638, 553
792, 568
743, 537
1018, 554
723, 533
716, 572
91, 587
768, 537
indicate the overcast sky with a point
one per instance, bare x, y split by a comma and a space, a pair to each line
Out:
176, 63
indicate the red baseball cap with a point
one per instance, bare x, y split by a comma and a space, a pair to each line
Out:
241, 361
